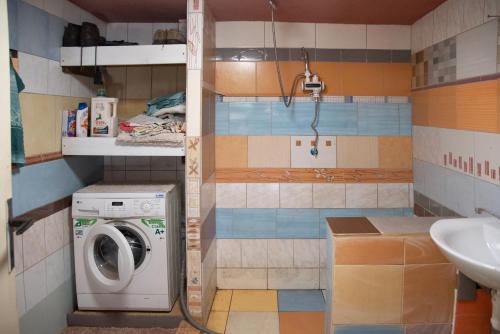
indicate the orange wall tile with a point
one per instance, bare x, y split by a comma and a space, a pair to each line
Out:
368, 250
332, 75
428, 293
235, 78
397, 79
363, 79
267, 79
477, 106
442, 107
231, 151
357, 152
395, 152
474, 316
420, 108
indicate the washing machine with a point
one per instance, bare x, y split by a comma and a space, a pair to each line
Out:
126, 247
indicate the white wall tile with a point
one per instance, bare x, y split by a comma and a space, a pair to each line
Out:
392, 37
300, 148
193, 103
306, 253
459, 143
393, 195
328, 195
71, 12
296, 195
59, 83
491, 7
235, 278
427, 29
239, 34
440, 22
291, 35
361, 195
18, 253
116, 31
473, 14
229, 253
263, 195
54, 233
254, 253
487, 149
35, 285
470, 62
165, 25
55, 270
68, 262
417, 36
54, 7
340, 36
455, 17
280, 253
231, 195
322, 253
20, 298
293, 278
67, 225
34, 71
323, 281
81, 86
34, 244
141, 33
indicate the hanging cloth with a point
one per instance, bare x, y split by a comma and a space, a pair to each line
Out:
16, 125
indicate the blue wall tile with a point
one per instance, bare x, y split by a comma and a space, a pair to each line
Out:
36, 185
224, 223
56, 32
222, 118
338, 119
295, 120
378, 119
12, 16
405, 119
372, 329
254, 223
297, 223
32, 29
300, 301
247, 118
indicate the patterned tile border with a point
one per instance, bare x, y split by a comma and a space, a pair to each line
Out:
426, 207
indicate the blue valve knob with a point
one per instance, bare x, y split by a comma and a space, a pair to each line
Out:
314, 152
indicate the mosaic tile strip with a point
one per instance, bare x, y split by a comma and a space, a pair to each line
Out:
332, 55
436, 64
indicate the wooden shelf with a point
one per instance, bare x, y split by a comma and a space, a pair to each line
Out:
103, 146
124, 55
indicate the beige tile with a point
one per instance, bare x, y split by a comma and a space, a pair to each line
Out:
252, 323
296, 195
357, 152
429, 292
231, 195
369, 250
116, 81
217, 321
38, 123
389, 37
367, 294
341, 36
361, 195
292, 35
163, 80
54, 233
395, 152
254, 301
254, 253
268, 152
293, 278
138, 82
393, 195
228, 253
306, 253
263, 195
239, 34
420, 249
34, 244
280, 253
328, 195
235, 278
231, 152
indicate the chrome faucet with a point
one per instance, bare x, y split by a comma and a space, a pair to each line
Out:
482, 210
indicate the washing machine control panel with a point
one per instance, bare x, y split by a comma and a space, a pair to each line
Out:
120, 207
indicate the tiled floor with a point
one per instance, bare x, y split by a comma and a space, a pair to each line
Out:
267, 312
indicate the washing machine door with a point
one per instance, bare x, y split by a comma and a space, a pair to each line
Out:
109, 258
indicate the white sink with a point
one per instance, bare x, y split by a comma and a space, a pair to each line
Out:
473, 245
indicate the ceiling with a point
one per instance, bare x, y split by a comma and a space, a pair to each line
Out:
320, 11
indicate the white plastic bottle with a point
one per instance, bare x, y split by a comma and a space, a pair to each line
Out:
104, 117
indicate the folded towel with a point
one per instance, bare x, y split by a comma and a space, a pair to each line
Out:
166, 101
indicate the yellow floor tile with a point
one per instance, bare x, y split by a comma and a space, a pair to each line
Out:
254, 301
222, 300
217, 321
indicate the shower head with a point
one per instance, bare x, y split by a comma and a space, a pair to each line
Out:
272, 4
